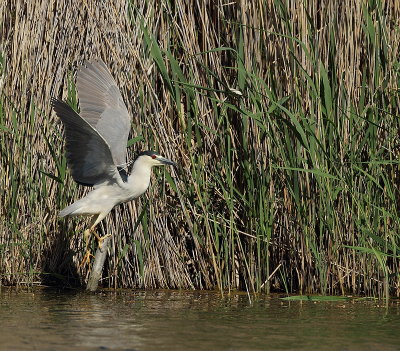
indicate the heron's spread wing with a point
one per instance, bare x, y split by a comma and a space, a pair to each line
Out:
88, 154
102, 106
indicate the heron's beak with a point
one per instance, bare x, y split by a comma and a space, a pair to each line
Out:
166, 161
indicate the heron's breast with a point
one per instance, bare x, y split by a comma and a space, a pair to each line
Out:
136, 186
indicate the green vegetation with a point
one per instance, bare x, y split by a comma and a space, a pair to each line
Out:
284, 117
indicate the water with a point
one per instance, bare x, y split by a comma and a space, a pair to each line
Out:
41, 319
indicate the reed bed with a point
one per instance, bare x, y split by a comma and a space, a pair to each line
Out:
283, 117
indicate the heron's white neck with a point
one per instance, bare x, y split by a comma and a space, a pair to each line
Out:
139, 179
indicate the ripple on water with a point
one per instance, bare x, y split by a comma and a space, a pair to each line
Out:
45, 319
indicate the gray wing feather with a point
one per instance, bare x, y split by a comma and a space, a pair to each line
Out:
88, 154
102, 106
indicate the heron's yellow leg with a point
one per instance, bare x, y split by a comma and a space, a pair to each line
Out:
88, 254
95, 220
100, 239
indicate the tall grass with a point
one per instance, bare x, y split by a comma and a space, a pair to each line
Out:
283, 116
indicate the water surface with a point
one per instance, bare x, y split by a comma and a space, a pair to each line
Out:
42, 319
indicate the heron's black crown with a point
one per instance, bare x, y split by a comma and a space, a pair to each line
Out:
148, 153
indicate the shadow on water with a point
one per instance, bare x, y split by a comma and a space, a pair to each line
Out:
181, 320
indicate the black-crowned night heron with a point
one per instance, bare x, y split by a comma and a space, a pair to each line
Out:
96, 142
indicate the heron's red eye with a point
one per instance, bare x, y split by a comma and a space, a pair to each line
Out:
153, 156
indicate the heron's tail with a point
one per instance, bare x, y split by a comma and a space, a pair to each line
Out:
72, 210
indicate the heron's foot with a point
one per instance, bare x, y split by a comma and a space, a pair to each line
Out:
86, 259
100, 239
